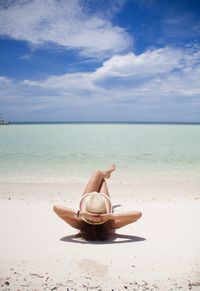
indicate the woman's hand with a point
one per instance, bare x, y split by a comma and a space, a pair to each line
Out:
95, 217
106, 216
90, 216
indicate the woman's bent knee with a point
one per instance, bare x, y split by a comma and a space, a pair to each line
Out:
55, 208
97, 173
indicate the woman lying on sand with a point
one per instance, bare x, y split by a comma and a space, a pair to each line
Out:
95, 218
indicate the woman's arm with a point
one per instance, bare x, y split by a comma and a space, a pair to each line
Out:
68, 215
119, 219
122, 219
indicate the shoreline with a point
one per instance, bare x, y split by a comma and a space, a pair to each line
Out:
147, 189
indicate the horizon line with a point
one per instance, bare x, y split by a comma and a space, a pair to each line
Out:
105, 122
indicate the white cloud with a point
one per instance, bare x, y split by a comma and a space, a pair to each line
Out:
66, 83
150, 63
63, 23
4, 80
173, 70
158, 83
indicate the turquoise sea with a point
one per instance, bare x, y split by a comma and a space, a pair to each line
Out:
64, 152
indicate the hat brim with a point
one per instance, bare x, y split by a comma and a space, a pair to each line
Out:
107, 204
91, 222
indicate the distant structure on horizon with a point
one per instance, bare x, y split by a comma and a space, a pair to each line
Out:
2, 121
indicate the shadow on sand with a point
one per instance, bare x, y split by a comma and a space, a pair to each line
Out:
115, 239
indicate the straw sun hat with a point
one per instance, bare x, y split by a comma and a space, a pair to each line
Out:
97, 203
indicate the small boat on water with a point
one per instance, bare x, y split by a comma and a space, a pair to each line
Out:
2, 121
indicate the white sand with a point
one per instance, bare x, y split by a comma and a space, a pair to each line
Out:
38, 250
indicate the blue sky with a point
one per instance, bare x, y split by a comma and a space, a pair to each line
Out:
100, 60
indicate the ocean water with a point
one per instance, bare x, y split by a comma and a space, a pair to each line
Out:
59, 153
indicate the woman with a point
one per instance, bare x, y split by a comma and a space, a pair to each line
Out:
95, 219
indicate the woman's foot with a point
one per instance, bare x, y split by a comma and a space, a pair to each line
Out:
109, 171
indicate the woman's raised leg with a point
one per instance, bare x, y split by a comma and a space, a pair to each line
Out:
96, 180
104, 188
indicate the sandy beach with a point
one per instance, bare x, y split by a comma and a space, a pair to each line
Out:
86, 85
39, 251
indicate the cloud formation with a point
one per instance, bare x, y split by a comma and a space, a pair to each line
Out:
64, 23
167, 67
160, 84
